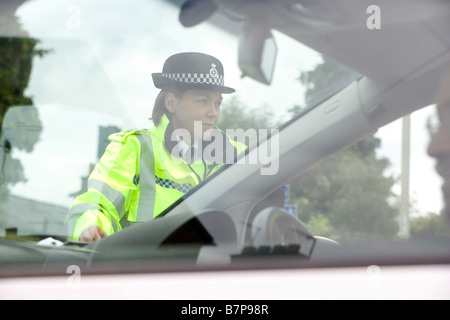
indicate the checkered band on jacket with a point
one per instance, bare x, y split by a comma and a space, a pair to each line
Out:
166, 183
195, 78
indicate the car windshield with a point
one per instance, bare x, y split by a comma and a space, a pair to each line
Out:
71, 82
75, 75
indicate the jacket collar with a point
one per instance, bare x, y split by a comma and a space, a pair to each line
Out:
164, 131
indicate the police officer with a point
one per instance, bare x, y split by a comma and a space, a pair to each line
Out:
143, 172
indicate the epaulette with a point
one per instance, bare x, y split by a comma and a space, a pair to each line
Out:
123, 135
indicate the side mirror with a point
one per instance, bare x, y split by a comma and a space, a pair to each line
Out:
257, 53
275, 228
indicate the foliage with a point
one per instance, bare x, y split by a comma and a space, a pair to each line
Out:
347, 196
235, 115
326, 79
15, 68
17, 54
429, 225
350, 190
319, 224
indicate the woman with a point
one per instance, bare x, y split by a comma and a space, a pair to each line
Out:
143, 172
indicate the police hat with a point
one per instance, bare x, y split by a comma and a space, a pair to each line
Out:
192, 70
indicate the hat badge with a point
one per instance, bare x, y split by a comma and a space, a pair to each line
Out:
213, 71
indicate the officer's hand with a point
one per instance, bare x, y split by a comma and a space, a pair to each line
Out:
92, 234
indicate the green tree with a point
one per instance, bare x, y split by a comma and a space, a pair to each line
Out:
348, 191
16, 56
326, 79
429, 225
235, 115
347, 195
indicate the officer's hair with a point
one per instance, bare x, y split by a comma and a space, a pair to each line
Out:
159, 108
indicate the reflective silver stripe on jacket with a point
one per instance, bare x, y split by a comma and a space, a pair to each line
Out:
114, 196
147, 184
81, 208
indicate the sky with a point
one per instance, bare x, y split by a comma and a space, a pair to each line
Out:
116, 76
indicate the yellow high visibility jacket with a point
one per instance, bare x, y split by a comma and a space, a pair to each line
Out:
136, 179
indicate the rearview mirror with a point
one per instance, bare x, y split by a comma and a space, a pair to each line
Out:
257, 53
194, 12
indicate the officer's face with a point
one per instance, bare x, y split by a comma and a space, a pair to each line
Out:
195, 107
439, 146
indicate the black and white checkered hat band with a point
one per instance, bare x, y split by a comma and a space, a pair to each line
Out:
195, 78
